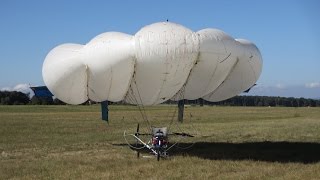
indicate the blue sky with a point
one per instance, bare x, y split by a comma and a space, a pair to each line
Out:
287, 32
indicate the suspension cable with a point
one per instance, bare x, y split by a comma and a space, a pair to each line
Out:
140, 105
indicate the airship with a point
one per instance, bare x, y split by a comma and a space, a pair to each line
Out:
162, 61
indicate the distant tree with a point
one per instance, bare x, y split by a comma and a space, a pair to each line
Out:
13, 98
264, 101
41, 100
57, 101
5, 100
34, 100
314, 103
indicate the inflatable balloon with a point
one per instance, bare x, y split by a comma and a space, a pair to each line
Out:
162, 61
165, 55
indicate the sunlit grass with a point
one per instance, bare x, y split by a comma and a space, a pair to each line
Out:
71, 142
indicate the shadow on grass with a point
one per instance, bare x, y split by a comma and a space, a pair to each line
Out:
282, 152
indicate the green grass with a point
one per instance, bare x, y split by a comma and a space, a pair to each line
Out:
71, 142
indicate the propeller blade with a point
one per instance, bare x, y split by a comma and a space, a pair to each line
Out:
137, 132
138, 128
183, 134
143, 134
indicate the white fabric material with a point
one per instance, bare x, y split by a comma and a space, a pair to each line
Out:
243, 75
162, 61
215, 60
110, 58
165, 54
65, 75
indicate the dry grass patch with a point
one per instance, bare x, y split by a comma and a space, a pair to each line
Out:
71, 142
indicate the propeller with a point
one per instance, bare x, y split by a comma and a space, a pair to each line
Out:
183, 134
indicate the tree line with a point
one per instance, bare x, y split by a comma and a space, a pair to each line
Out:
19, 98
266, 101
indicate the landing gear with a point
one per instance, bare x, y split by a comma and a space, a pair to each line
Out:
158, 155
158, 144
137, 142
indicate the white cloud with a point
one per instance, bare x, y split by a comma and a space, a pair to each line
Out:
280, 86
313, 85
5, 89
22, 88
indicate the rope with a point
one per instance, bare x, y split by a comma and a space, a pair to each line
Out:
140, 105
180, 96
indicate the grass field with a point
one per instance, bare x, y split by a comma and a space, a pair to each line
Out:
71, 142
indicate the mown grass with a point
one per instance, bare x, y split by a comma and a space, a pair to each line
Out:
71, 142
